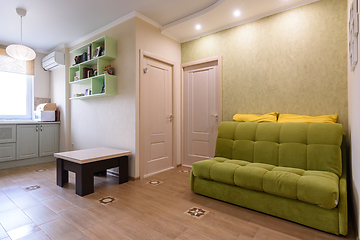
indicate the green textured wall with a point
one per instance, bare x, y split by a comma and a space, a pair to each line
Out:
291, 62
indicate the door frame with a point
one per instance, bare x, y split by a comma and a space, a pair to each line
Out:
217, 59
144, 54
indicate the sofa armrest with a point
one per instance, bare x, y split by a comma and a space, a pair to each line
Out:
343, 201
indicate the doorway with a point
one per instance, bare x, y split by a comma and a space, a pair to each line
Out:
202, 108
156, 114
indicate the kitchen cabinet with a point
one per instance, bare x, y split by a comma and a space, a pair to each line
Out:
37, 140
7, 133
7, 142
7, 152
27, 141
49, 139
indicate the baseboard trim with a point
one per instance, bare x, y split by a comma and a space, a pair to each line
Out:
26, 162
154, 173
134, 178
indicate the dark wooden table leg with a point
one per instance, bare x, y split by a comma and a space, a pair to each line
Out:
84, 180
123, 169
101, 173
62, 176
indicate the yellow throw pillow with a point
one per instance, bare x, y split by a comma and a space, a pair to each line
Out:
307, 119
269, 117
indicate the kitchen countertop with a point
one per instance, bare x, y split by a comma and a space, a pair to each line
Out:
18, 122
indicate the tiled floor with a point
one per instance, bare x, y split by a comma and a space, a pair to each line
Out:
134, 210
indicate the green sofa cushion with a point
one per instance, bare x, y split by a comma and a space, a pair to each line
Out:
281, 183
243, 149
308, 146
320, 188
250, 177
293, 155
315, 187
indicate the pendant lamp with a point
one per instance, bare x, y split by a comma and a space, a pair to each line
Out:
19, 51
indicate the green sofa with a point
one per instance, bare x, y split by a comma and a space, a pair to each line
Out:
295, 171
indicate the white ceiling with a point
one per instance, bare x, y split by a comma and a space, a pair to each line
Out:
50, 23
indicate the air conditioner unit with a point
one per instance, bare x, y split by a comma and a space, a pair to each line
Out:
53, 60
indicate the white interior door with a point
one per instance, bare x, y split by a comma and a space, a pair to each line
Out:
201, 111
156, 118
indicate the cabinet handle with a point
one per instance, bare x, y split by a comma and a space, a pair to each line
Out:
37, 128
41, 128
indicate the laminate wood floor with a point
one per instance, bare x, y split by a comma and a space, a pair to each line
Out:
32, 206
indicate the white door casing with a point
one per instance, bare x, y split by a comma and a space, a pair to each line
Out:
201, 109
156, 116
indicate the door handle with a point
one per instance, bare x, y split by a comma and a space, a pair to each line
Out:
171, 117
216, 117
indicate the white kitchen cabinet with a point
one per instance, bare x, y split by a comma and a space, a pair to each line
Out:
7, 152
27, 142
49, 139
7, 133
7, 142
37, 140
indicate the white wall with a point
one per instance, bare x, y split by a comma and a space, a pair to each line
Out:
41, 78
59, 94
354, 136
109, 121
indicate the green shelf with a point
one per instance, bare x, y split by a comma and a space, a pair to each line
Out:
108, 42
108, 81
96, 83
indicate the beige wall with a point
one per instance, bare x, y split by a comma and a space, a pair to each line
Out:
150, 39
109, 121
354, 136
291, 62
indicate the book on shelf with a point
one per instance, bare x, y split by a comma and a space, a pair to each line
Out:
89, 52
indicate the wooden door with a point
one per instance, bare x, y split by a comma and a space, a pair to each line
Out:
156, 120
201, 110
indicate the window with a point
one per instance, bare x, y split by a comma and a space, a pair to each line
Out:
16, 88
16, 95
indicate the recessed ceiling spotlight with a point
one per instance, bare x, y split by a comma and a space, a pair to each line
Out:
236, 13
198, 26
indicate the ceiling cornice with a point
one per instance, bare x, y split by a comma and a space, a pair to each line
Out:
148, 20
100, 30
166, 33
193, 15
59, 48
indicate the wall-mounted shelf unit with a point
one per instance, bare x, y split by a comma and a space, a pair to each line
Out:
98, 83
102, 84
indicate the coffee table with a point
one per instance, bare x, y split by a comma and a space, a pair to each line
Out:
85, 163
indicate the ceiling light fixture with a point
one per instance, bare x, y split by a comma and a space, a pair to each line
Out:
198, 26
236, 13
19, 51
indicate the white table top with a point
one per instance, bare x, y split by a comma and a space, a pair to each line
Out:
91, 155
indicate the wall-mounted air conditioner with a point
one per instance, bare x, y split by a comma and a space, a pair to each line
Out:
53, 60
